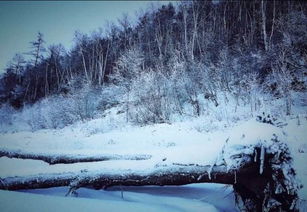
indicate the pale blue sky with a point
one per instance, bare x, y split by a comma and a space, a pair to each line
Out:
57, 20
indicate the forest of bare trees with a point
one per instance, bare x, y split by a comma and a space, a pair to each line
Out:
183, 53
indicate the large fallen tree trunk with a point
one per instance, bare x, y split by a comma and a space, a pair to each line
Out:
263, 179
170, 175
66, 159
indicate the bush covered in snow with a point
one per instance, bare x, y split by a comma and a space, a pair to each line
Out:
60, 110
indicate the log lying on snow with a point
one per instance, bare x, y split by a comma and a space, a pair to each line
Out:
263, 180
67, 159
174, 175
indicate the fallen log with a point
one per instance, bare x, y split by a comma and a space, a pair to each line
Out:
263, 180
67, 159
174, 175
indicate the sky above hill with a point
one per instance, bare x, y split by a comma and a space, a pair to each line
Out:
20, 21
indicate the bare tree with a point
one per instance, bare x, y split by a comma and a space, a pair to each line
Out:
37, 53
283, 78
81, 41
128, 67
17, 65
37, 48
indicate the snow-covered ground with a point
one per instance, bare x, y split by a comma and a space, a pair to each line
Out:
168, 144
194, 197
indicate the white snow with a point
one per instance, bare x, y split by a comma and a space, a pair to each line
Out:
194, 197
168, 144
180, 142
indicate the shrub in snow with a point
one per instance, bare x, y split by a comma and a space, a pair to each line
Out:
61, 110
150, 104
6, 116
269, 119
52, 112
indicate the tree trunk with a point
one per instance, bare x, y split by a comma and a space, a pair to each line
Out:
185, 30
273, 23
173, 175
46, 81
265, 36
84, 66
66, 159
